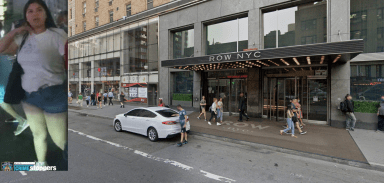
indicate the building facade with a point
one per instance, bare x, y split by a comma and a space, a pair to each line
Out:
273, 52
113, 46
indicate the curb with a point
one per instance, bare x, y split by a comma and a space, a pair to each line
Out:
358, 164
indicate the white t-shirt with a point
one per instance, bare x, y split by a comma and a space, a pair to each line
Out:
42, 59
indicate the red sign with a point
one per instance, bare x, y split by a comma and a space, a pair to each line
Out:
98, 69
73, 73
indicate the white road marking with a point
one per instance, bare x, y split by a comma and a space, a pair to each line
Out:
217, 177
23, 173
174, 163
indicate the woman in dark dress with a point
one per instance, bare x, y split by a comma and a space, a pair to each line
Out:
99, 101
122, 100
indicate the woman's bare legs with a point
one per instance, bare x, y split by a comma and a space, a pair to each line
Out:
57, 124
36, 120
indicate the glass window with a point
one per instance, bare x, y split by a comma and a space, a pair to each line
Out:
229, 36
96, 21
128, 9
87, 70
116, 39
110, 40
183, 82
366, 22
73, 71
367, 81
298, 25
84, 26
134, 112
167, 113
149, 4
147, 114
183, 44
111, 16
84, 8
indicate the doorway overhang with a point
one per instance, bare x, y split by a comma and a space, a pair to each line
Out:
291, 56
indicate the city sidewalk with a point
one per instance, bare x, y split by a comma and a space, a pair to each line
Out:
329, 142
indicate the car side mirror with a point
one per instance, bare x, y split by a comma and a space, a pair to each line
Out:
125, 115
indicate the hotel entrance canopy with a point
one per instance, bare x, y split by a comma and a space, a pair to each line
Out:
313, 55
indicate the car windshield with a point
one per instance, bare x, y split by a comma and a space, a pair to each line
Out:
167, 113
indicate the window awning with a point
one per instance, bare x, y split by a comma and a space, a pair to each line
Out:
292, 56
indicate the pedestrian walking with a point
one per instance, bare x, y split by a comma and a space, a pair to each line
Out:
105, 97
182, 117
220, 110
80, 100
380, 116
203, 104
88, 100
99, 101
242, 106
43, 78
110, 96
70, 96
93, 98
349, 113
161, 104
290, 123
295, 118
296, 102
214, 112
122, 100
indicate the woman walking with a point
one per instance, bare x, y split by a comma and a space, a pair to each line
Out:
88, 99
44, 77
220, 110
214, 112
99, 101
203, 104
122, 100
291, 126
299, 112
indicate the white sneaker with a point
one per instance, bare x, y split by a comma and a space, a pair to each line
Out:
198, 117
218, 124
209, 123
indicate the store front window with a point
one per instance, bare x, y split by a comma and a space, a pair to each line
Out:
298, 25
87, 69
107, 67
367, 23
183, 44
367, 81
182, 88
228, 36
73, 71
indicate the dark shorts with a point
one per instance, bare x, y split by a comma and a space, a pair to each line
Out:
182, 123
52, 99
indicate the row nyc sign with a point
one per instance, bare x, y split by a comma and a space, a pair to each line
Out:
235, 56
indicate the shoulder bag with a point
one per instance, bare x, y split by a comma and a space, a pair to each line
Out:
14, 92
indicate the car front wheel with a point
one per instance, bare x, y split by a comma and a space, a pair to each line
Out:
152, 134
117, 126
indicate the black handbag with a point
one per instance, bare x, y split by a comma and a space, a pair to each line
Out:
14, 92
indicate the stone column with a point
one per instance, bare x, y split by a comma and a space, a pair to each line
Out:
254, 29
338, 30
253, 93
92, 76
198, 47
164, 74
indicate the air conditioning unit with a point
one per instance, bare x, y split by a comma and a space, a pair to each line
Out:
124, 17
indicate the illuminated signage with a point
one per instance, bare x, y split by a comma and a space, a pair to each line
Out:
236, 56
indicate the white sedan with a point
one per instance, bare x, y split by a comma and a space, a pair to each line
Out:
153, 122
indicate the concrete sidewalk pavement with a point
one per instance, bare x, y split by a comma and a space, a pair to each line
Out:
321, 142
371, 144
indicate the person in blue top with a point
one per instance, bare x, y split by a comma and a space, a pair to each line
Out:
110, 96
182, 117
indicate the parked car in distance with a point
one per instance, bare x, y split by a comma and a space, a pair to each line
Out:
153, 122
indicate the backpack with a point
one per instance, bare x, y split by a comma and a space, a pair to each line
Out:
343, 106
210, 109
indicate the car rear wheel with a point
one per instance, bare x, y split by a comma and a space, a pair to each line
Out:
117, 126
152, 134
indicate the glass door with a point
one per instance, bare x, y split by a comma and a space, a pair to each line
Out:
317, 99
213, 89
224, 93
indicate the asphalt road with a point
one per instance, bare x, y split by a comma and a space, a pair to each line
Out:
99, 154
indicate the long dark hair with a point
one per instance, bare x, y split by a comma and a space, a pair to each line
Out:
49, 22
